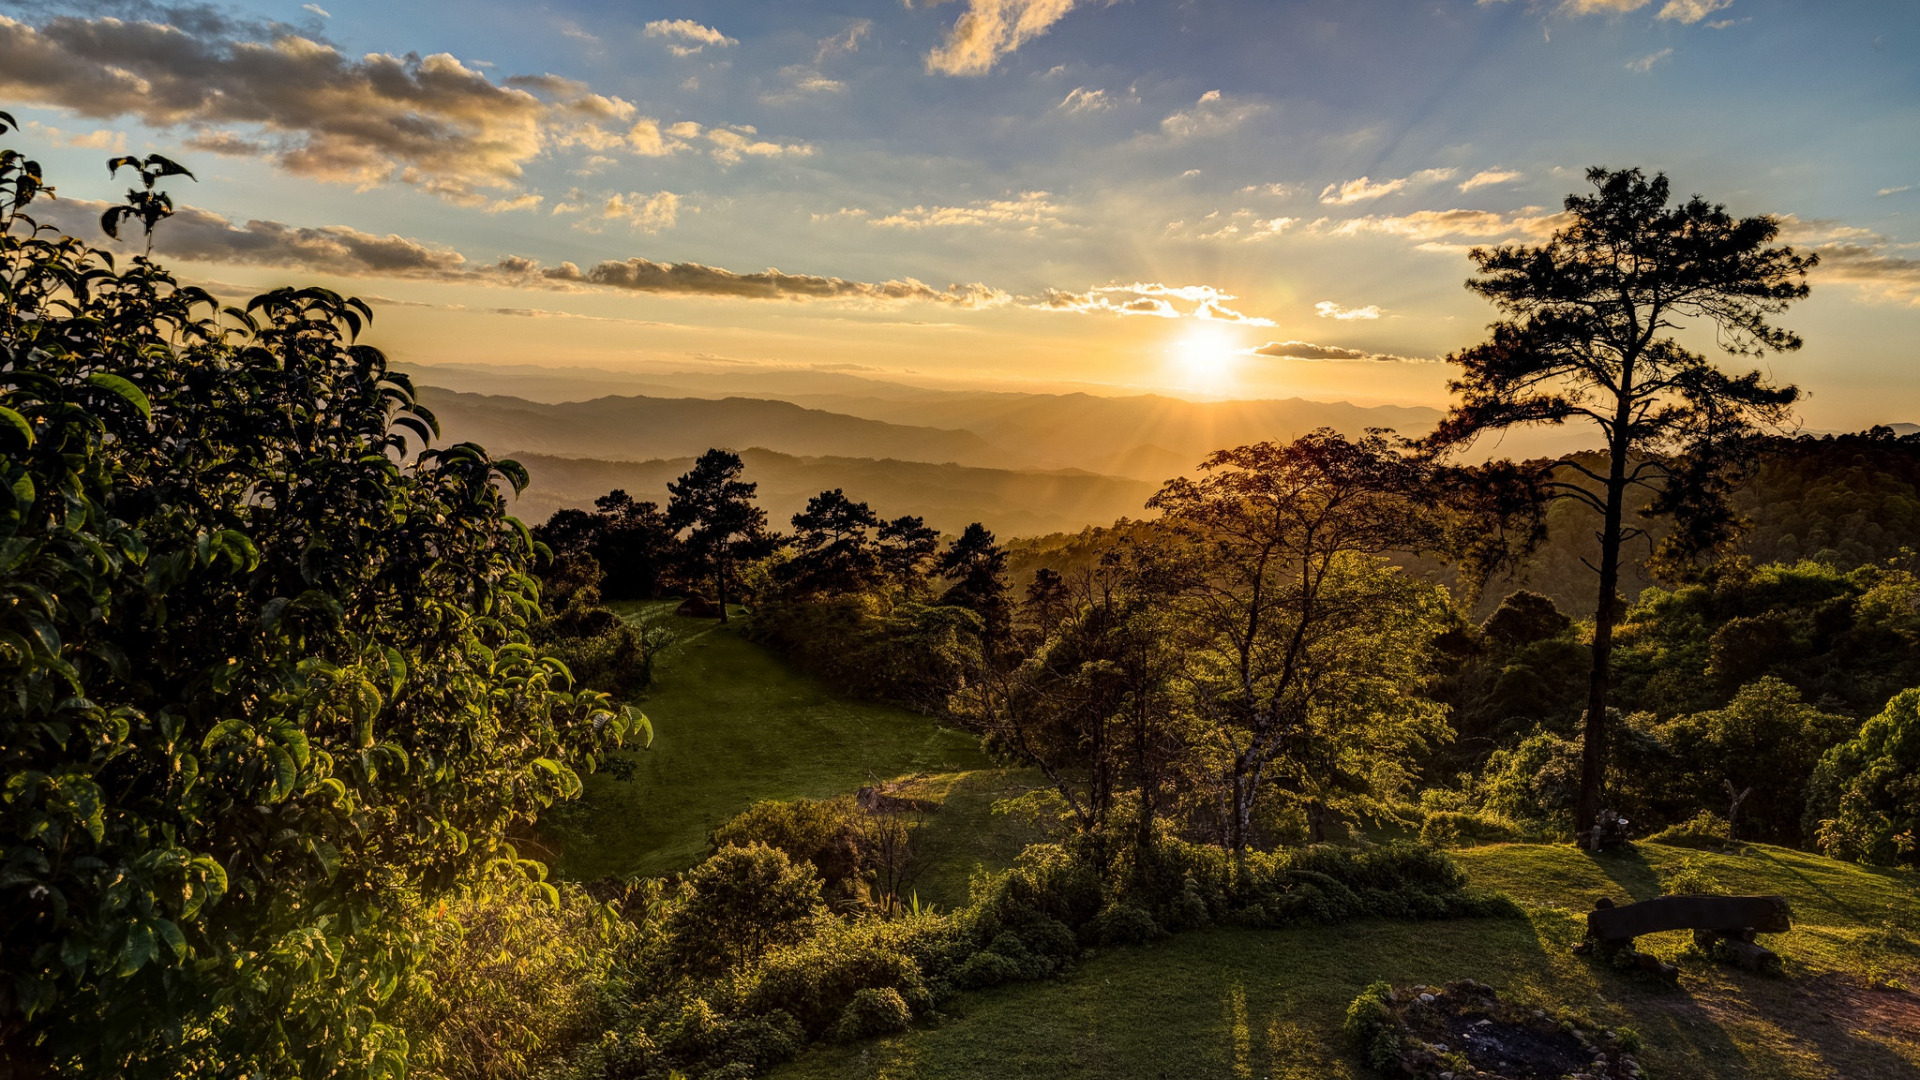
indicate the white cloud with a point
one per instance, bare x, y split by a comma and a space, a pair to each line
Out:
1213, 114
1151, 299
317, 10
646, 213
1030, 209
1085, 100
729, 145
1441, 224
1365, 189
990, 29
1645, 63
1692, 11
101, 139
1901, 190
433, 122
1490, 177
1327, 309
691, 35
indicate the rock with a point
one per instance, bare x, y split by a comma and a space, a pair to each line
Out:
1426, 999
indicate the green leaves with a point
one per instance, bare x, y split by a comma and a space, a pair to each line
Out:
124, 390
267, 685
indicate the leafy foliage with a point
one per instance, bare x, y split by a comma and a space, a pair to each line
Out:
1866, 791
270, 681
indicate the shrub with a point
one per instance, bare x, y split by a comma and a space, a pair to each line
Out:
739, 903
1705, 829
1123, 923
1373, 1026
1466, 828
817, 980
1690, 878
515, 974
873, 1012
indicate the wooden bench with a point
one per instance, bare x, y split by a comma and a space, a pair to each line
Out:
1730, 921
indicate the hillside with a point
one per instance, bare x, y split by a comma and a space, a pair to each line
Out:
636, 428
1011, 503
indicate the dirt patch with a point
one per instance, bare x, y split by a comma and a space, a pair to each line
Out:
1463, 1030
1517, 1051
1890, 1014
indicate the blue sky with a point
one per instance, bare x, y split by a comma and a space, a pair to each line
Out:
1028, 193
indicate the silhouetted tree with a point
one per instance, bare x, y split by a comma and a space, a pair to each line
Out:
1587, 338
716, 508
834, 551
977, 567
1047, 599
906, 550
636, 546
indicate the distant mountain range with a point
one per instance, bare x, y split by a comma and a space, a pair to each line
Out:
607, 415
1021, 463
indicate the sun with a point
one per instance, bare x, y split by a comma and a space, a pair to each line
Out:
1207, 358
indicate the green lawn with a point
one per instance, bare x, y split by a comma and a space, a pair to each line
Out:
1245, 1004
733, 724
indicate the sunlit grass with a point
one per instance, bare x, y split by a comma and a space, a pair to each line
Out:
735, 724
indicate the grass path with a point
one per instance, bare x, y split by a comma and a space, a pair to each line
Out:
734, 724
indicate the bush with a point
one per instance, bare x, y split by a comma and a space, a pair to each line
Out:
873, 1012
515, 974
1373, 1026
1125, 924
1466, 828
1706, 830
817, 980
738, 904
1690, 878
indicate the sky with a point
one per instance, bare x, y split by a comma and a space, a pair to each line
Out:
1206, 198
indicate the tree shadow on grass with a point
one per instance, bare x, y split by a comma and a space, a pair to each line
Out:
1626, 867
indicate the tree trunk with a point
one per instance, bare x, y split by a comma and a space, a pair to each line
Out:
1593, 759
720, 585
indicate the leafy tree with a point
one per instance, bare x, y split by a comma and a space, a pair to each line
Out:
1865, 802
270, 687
1589, 338
716, 507
1301, 644
1096, 710
977, 568
834, 553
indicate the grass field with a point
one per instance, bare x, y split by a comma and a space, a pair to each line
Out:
733, 723
1247, 1004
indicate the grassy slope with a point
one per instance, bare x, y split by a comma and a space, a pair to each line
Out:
734, 724
1245, 1003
